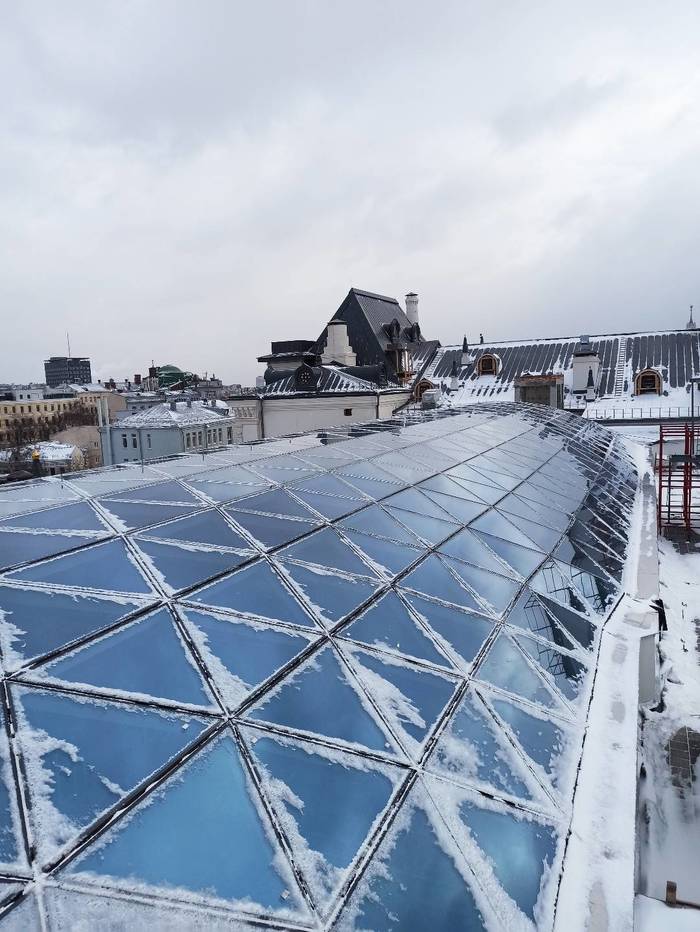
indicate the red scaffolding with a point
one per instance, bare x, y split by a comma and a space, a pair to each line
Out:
679, 479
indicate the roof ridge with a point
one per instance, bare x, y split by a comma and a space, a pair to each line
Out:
372, 294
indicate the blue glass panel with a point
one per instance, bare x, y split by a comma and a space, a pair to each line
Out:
146, 657
506, 668
181, 837
534, 511
76, 517
329, 506
432, 577
255, 590
541, 740
181, 567
542, 536
92, 754
205, 528
519, 850
326, 548
446, 485
37, 622
496, 525
566, 672
414, 500
170, 491
599, 593
331, 596
283, 469
431, 530
548, 581
276, 502
530, 614
327, 485
17, 548
330, 803
391, 557
374, 488
106, 566
473, 748
467, 546
411, 697
496, 592
11, 849
367, 470
374, 520
523, 560
133, 515
317, 697
463, 632
225, 491
580, 629
271, 531
463, 509
489, 494
387, 624
241, 655
403, 892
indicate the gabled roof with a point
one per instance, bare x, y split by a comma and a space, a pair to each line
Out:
183, 416
331, 379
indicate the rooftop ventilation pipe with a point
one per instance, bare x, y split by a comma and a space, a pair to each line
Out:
412, 307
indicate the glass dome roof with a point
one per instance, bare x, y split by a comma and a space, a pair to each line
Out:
334, 681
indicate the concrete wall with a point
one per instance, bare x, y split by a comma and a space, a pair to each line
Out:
295, 415
87, 437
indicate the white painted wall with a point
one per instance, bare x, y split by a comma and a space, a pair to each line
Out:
579, 368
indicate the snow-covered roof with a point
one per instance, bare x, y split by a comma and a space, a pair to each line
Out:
254, 684
177, 413
49, 451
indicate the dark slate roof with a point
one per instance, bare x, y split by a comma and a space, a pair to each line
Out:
366, 315
331, 380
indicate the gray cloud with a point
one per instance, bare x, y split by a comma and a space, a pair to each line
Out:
186, 182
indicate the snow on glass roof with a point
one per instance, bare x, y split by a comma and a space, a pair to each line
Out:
336, 681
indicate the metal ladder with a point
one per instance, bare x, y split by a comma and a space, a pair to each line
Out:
620, 367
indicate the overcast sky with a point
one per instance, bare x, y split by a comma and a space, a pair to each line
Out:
186, 181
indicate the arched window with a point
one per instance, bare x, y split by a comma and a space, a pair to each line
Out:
648, 382
487, 364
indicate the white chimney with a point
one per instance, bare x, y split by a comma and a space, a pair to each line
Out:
412, 307
338, 347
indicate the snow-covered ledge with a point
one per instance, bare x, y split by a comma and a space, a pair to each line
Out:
598, 883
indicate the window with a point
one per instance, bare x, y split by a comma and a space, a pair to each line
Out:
124, 440
208, 436
348, 412
220, 435
648, 382
148, 441
199, 438
229, 435
134, 442
487, 364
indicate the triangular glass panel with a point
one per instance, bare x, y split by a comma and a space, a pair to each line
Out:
496, 592
226, 491
318, 698
91, 755
329, 506
578, 628
255, 590
107, 566
506, 668
541, 740
11, 846
566, 672
400, 890
329, 803
519, 850
473, 749
332, 595
390, 557
181, 567
180, 838
432, 577
572, 554
132, 515
374, 520
276, 502
367, 470
530, 615
534, 511
327, 548
462, 509
599, 593
495, 524
548, 581
18, 547
462, 632
489, 494
170, 491
523, 560
541, 536
411, 698
374, 488
470, 548
414, 500
326, 484
146, 657
446, 485
35, 622
208, 527
388, 625
271, 531
431, 530
75, 517
240, 655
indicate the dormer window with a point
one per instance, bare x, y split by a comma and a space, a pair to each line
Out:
487, 364
648, 382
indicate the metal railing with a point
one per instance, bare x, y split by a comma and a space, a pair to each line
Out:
634, 414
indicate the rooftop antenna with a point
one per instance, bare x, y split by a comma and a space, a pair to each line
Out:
68, 342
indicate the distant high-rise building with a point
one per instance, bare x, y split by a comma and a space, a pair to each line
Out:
72, 369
